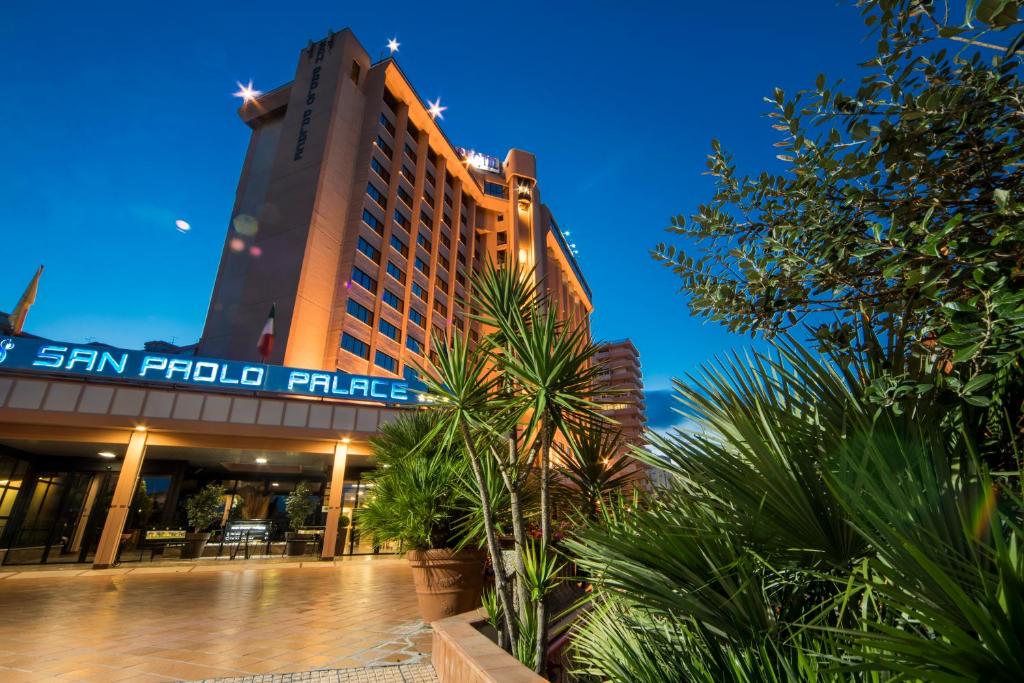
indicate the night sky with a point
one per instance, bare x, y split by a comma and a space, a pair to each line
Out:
119, 120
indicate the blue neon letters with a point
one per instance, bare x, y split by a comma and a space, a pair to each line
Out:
140, 366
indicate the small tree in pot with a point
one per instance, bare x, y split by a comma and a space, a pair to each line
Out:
299, 505
418, 499
202, 509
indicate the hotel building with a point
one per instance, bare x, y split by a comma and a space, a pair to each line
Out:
362, 223
359, 219
623, 381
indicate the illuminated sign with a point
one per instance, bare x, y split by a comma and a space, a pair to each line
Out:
19, 353
479, 161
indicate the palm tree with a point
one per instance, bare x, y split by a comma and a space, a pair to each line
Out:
595, 466
812, 529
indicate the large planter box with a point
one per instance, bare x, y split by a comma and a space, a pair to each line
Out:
462, 654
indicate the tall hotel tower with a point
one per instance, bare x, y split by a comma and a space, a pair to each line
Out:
359, 219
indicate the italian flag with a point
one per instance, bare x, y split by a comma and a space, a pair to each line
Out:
266, 343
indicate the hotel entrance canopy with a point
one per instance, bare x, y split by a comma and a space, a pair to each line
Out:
56, 394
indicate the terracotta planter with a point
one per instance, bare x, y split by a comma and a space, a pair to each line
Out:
447, 582
194, 546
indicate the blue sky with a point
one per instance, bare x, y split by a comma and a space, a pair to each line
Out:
119, 120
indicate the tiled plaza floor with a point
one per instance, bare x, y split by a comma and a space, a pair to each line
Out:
225, 623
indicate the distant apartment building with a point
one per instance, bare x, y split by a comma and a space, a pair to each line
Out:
623, 381
359, 219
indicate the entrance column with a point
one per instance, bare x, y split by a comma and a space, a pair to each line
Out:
131, 466
334, 500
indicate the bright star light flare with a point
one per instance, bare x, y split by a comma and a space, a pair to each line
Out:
247, 92
436, 108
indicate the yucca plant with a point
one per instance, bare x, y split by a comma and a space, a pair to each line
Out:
531, 377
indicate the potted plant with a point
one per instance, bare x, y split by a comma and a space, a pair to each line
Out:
299, 506
419, 500
202, 509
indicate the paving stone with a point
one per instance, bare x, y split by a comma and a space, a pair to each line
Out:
403, 673
236, 624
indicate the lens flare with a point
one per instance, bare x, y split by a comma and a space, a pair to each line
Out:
182, 226
245, 224
983, 512
236, 244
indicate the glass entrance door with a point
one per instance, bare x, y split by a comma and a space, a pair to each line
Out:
60, 516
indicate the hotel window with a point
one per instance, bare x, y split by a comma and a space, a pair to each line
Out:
422, 240
396, 272
411, 152
373, 222
502, 237
392, 299
417, 318
419, 291
442, 284
446, 240
364, 280
379, 169
433, 183
428, 199
389, 330
413, 130
461, 257
502, 256
447, 199
401, 219
422, 266
408, 173
405, 196
446, 220
460, 278
399, 246
388, 126
390, 100
355, 346
459, 324
440, 308
383, 360
354, 72
384, 147
494, 189
445, 263
376, 195
414, 344
462, 237
360, 312
371, 251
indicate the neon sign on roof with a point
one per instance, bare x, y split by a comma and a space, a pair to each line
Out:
481, 162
